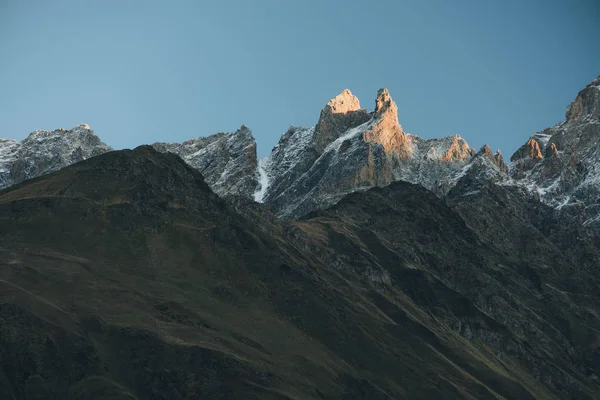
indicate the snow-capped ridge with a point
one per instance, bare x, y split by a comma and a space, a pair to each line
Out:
351, 149
44, 151
228, 161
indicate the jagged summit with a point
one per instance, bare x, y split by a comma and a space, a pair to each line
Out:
43, 151
560, 166
383, 102
586, 104
343, 103
228, 161
340, 114
386, 130
351, 149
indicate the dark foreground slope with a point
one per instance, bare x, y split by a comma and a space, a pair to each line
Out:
125, 277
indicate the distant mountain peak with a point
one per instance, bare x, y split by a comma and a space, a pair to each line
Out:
351, 149
586, 104
339, 114
43, 152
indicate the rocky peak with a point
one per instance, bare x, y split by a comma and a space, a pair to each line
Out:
458, 150
500, 162
43, 152
486, 151
531, 149
343, 103
228, 161
486, 157
386, 130
485, 167
372, 151
587, 103
340, 114
384, 102
567, 177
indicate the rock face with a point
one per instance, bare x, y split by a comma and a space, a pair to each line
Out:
340, 114
227, 160
351, 149
386, 130
309, 170
43, 152
561, 165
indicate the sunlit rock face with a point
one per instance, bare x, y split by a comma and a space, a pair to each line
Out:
340, 114
352, 150
386, 130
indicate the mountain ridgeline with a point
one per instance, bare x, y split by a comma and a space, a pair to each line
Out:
350, 149
356, 261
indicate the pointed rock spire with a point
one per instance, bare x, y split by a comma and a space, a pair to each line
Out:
500, 162
495, 159
386, 129
531, 150
340, 114
487, 151
552, 151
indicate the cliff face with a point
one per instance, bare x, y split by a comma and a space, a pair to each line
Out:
227, 160
309, 170
561, 165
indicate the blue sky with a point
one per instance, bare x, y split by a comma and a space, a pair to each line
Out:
145, 71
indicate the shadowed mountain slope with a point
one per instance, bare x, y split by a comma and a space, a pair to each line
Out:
125, 277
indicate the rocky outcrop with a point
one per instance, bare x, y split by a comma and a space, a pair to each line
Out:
227, 160
567, 176
484, 168
43, 152
340, 114
531, 150
586, 105
306, 173
386, 130
351, 149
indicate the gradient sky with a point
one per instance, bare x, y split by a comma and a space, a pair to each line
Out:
144, 71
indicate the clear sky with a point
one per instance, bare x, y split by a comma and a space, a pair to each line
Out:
144, 71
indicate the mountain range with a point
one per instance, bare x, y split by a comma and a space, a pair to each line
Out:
348, 150
355, 261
